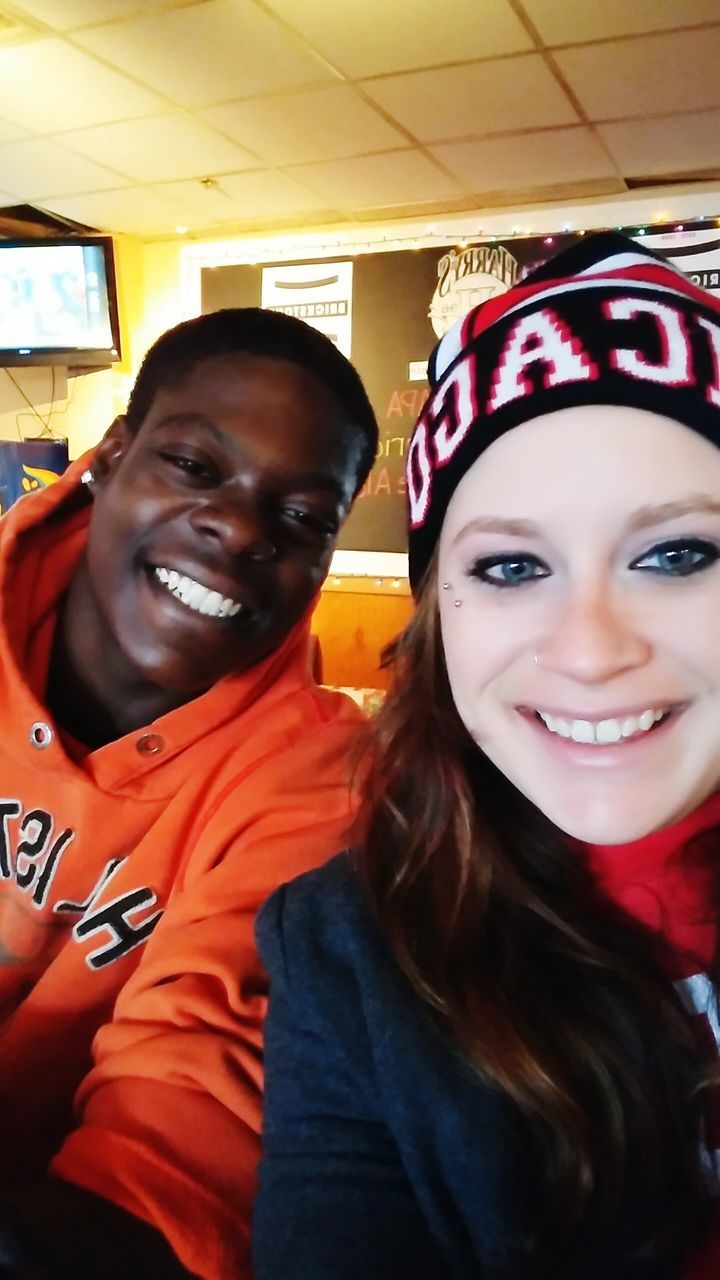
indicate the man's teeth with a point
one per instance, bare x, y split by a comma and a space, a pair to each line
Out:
602, 733
196, 596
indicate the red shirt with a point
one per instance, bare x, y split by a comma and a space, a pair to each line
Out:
672, 895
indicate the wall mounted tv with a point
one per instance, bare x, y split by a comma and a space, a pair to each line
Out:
58, 302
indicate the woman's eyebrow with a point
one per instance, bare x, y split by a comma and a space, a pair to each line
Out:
696, 504
497, 524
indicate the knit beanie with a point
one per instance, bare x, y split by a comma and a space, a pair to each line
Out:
605, 322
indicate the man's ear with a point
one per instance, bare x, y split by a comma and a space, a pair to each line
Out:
111, 451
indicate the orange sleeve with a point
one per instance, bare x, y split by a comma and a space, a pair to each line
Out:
170, 1113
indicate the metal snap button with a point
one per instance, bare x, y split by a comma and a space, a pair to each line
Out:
150, 744
41, 735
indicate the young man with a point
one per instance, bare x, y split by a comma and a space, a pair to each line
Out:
165, 761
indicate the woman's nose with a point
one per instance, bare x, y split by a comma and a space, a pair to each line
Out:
237, 525
592, 640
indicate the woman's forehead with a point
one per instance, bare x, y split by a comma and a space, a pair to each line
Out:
580, 460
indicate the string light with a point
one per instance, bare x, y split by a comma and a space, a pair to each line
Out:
339, 580
432, 237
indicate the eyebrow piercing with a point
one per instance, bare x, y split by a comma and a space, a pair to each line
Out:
447, 586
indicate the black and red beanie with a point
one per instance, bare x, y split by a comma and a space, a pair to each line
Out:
605, 322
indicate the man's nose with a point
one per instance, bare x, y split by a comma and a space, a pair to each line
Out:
237, 524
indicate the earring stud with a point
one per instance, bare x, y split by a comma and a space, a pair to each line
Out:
87, 477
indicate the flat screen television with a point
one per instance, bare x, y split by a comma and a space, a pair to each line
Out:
58, 302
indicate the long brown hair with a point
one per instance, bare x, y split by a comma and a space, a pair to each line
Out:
557, 997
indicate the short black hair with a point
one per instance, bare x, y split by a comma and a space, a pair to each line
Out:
258, 332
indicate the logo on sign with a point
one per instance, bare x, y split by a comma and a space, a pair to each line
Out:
467, 277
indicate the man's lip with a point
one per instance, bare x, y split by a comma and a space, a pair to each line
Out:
228, 588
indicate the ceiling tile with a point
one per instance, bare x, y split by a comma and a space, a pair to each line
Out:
211, 52
470, 101
571, 23
642, 76
317, 124
161, 149
369, 37
9, 132
673, 145
263, 194
67, 15
141, 210
390, 179
47, 85
531, 160
34, 168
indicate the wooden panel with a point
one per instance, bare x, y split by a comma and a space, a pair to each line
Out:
354, 621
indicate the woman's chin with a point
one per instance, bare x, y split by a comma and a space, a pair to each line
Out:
608, 826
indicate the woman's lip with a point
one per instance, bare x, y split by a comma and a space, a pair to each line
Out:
595, 717
593, 754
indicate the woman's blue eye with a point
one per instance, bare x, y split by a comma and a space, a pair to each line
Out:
679, 558
509, 571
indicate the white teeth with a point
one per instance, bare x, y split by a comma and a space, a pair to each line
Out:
211, 604
608, 731
602, 733
582, 731
197, 597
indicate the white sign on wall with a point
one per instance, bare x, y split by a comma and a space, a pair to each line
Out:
320, 293
695, 252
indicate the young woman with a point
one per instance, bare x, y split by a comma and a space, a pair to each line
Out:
166, 759
491, 1046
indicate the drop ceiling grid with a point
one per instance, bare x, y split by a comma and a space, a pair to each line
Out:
336, 111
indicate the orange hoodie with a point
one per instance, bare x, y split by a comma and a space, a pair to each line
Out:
131, 995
